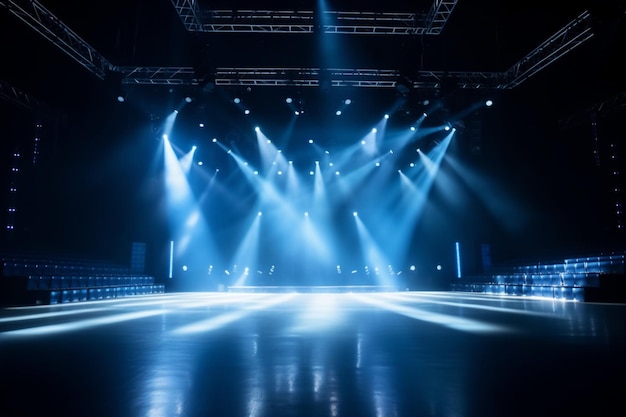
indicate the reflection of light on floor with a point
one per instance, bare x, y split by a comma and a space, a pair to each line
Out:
452, 322
319, 312
84, 324
53, 314
214, 323
402, 297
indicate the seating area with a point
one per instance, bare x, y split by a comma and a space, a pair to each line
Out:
591, 278
46, 281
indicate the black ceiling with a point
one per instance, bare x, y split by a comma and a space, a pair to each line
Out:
480, 35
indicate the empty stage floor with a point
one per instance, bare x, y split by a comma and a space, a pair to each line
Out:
313, 354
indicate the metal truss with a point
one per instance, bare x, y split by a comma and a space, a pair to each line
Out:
288, 21
22, 99
309, 77
158, 75
438, 16
50, 27
605, 109
565, 40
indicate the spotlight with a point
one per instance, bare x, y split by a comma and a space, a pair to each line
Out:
354, 213
310, 140
374, 130
246, 111
386, 116
121, 97
338, 112
289, 100
306, 214
201, 124
489, 103
214, 140
236, 100
347, 101
259, 214
188, 99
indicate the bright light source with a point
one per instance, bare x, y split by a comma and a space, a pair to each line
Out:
306, 214
201, 124
347, 101
354, 213
446, 128
188, 99
246, 111
311, 173
489, 103
214, 140
194, 147
121, 98
280, 173
337, 173
297, 113
259, 214
374, 130
338, 112
288, 99
310, 140
386, 116
412, 128
236, 100
377, 164
185, 268
200, 163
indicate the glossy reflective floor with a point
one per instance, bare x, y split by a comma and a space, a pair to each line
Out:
362, 354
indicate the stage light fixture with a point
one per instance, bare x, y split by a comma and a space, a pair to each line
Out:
489, 103
289, 100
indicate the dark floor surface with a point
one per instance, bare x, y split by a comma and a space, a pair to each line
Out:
315, 354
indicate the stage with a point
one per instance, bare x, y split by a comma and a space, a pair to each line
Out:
313, 354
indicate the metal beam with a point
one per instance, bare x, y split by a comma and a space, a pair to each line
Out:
50, 27
24, 100
196, 19
565, 40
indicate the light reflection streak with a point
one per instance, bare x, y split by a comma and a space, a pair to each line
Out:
51, 314
320, 311
214, 323
452, 322
83, 324
417, 298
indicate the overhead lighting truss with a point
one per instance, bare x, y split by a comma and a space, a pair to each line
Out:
50, 27
44, 22
196, 19
565, 40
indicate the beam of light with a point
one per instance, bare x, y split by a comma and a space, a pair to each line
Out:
168, 125
247, 251
177, 187
84, 324
446, 320
372, 254
499, 201
186, 160
222, 320
404, 216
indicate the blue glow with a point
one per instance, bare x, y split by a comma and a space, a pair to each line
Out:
171, 267
458, 259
